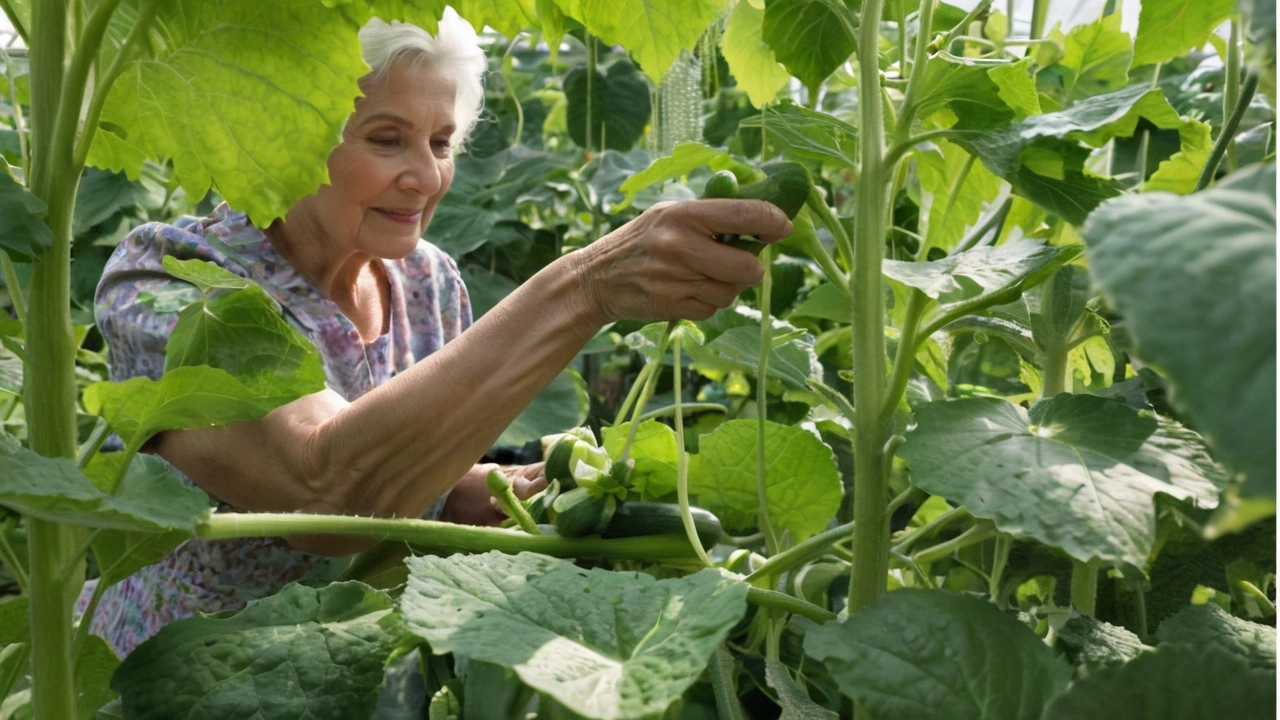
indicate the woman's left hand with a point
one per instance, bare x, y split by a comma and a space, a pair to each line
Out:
470, 503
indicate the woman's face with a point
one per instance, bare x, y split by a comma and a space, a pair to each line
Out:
393, 165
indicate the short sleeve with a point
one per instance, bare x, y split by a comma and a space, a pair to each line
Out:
136, 305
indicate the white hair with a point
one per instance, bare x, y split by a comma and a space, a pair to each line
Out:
455, 50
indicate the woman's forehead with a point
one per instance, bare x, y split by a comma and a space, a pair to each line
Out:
411, 88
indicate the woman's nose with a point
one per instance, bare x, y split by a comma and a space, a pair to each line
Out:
422, 174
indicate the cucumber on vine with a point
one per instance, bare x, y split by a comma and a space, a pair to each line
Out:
635, 518
722, 185
785, 184
577, 513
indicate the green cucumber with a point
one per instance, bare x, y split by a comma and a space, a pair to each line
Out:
578, 514
785, 184
723, 184
557, 466
633, 519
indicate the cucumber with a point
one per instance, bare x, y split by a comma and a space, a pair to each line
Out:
557, 466
723, 184
633, 519
578, 514
786, 185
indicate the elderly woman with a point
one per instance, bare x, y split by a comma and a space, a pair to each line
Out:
411, 400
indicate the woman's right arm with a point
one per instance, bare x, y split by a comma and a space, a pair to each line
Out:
395, 450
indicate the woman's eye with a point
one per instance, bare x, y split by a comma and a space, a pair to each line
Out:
385, 141
440, 146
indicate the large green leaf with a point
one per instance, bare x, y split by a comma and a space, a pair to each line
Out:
948, 213
752, 62
560, 406
806, 135
1169, 28
151, 498
1177, 682
1195, 278
22, 217
96, 662
653, 31
964, 88
230, 358
1043, 160
302, 653
1208, 625
508, 17
925, 654
620, 106
686, 157
1079, 472
973, 273
1181, 172
1092, 643
245, 96
1096, 58
802, 483
810, 37
605, 644
654, 451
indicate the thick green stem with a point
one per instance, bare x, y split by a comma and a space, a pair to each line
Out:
1084, 586
1229, 128
924, 32
1039, 11
1053, 373
976, 534
871, 528
1231, 88
801, 552
430, 535
942, 521
720, 668
762, 401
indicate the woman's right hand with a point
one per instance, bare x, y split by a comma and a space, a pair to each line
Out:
667, 264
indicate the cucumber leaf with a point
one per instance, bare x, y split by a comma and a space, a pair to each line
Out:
604, 644
1195, 279
654, 451
1169, 28
1078, 472
973, 273
806, 135
619, 105
685, 158
151, 498
22, 217
810, 37
1208, 625
303, 652
655, 31
1092, 643
751, 61
1176, 682
802, 481
1096, 58
245, 96
923, 654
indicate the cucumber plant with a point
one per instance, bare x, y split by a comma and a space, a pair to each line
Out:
1028, 345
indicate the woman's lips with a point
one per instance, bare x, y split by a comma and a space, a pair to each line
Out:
404, 216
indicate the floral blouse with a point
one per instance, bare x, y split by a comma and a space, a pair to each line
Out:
136, 309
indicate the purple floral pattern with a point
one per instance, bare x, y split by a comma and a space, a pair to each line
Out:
136, 308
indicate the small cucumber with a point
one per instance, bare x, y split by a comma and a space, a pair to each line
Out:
633, 519
578, 514
723, 184
557, 467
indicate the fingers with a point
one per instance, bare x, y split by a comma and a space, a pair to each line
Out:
740, 217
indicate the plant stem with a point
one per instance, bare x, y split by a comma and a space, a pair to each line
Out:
944, 520
764, 293
902, 38
511, 90
1084, 586
800, 553
905, 357
103, 84
720, 668
1231, 90
1039, 10
650, 383
101, 431
962, 27
435, 536
11, 559
899, 150
1004, 543
684, 409
1267, 607
682, 465
995, 221
912, 494
871, 528
976, 534
14, 287
1228, 133
591, 82
825, 215
924, 25
15, 21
